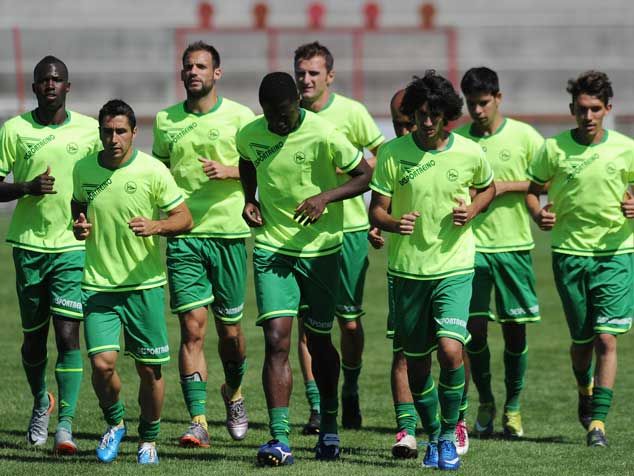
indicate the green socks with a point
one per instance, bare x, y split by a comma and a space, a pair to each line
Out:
312, 395
481, 371
584, 378
329, 409
114, 414
195, 393
149, 431
406, 417
514, 372
601, 401
450, 390
426, 403
68, 373
279, 425
234, 372
464, 405
350, 385
36, 376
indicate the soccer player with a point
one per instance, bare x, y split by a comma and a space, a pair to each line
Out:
421, 194
207, 266
291, 156
314, 74
41, 147
117, 196
503, 243
591, 171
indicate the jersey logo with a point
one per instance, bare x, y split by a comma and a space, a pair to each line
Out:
610, 168
452, 175
414, 172
504, 155
72, 148
130, 187
31, 145
174, 135
299, 158
576, 169
263, 151
213, 134
92, 189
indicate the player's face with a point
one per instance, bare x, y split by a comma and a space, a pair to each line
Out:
589, 112
430, 124
116, 136
483, 108
403, 125
198, 74
282, 118
313, 78
50, 86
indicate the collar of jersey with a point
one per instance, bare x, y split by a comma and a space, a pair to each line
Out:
499, 129
446, 148
134, 154
198, 114
603, 139
331, 98
52, 126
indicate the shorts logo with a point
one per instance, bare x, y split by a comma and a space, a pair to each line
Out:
164, 349
130, 187
63, 302
452, 175
299, 157
505, 155
451, 321
520, 311
610, 168
228, 311
72, 148
213, 134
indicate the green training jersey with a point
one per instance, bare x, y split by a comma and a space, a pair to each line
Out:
430, 182
291, 169
43, 222
505, 225
587, 185
117, 259
353, 119
180, 138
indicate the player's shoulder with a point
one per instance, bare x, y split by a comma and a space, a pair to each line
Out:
520, 128
349, 105
236, 107
82, 119
173, 113
464, 144
88, 162
314, 121
620, 138
463, 130
256, 126
18, 122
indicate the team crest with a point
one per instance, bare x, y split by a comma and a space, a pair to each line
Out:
610, 168
299, 157
130, 187
452, 175
213, 134
505, 155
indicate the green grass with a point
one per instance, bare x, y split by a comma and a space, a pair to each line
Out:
554, 442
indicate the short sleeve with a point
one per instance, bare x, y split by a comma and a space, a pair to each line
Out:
166, 193
631, 171
246, 117
535, 141
343, 154
241, 146
366, 133
541, 169
7, 152
383, 176
160, 145
483, 173
78, 192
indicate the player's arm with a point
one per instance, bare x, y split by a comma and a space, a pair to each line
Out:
248, 178
544, 218
380, 216
179, 220
463, 213
81, 226
40, 185
214, 170
502, 187
627, 205
312, 208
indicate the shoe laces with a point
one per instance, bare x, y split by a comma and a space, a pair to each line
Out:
461, 433
107, 436
400, 435
237, 410
147, 451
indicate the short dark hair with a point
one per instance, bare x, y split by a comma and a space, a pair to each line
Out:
310, 50
592, 83
50, 60
202, 46
278, 87
437, 92
481, 80
117, 107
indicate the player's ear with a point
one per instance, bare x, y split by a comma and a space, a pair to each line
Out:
572, 108
330, 77
217, 73
67, 88
498, 97
134, 131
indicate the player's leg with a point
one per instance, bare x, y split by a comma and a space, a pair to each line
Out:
277, 294
228, 277
190, 294
478, 348
151, 396
67, 312
462, 431
33, 298
354, 266
310, 386
515, 363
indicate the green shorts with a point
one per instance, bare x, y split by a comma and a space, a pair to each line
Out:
597, 293
141, 314
354, 265
511, 275
390, 316
48, 284
425, 310
282, 280
205, 271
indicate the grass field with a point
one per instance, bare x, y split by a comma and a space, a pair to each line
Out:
554, 442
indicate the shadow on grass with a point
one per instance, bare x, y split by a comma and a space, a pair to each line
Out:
557, 439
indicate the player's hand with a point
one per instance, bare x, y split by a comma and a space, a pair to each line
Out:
546, 219
627, 205
251, 214
81, 227
310, 209
142, 226
214, 170
406, 223
461, 214
375, 238
42, 184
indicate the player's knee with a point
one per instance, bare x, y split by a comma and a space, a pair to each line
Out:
318, 342
34, 347
351, 326
103, 364
449, 353
605, 344
67, 335
148, 373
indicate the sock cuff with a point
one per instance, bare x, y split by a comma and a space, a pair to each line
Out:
36, 364
347, 367
453, 379
598, 391
471, 351
516, 354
